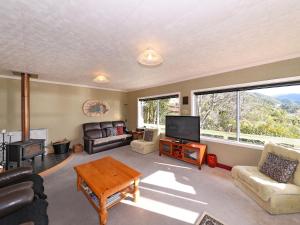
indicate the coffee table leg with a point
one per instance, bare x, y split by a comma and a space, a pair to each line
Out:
136, 192
79, 180
102, 211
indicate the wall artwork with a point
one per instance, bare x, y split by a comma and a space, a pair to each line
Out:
94, 108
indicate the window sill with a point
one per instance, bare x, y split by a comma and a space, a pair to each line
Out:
234, 143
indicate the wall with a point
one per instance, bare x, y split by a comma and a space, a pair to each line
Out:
227, 154
3, 101
57, 107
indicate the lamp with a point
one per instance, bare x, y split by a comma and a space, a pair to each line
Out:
101, 79
150, 58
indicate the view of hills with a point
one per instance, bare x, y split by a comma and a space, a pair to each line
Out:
260, 114
290, 97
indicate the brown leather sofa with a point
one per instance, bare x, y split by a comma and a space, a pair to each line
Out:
98, 136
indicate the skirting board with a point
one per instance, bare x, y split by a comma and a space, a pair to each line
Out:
223, 166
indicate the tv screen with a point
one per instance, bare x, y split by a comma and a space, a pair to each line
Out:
183, 127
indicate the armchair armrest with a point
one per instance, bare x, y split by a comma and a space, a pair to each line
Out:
15, 200
88, 139
14, 175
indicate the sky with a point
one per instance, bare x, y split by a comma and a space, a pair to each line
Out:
279, 90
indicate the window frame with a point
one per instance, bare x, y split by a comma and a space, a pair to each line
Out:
238, 88
139, 108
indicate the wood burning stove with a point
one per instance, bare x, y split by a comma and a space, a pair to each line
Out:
26, 148
21, 150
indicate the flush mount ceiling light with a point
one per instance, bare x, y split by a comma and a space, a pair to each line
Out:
150, 58
101, 79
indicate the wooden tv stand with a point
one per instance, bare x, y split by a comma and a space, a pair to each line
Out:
191, 152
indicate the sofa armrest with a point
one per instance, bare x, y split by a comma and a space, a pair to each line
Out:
13, 175
87, 138
15, 200
88, 144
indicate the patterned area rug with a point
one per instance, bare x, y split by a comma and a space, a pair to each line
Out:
207, 219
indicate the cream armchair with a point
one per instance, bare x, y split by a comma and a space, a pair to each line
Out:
276, 198
145, 147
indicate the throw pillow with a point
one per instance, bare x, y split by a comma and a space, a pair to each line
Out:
111, 131
120, 130
279, 168
148, 135
114, 131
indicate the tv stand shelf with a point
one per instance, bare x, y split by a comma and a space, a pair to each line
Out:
191, 152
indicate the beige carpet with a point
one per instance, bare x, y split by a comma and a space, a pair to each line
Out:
172, 193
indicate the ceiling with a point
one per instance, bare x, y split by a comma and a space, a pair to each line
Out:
72, 41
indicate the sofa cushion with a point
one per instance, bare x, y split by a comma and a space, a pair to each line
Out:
94, 134
90, 126
284, 152
262, 185
111, 139
105, 125
278, 168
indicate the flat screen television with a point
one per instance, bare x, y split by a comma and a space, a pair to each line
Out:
183, 128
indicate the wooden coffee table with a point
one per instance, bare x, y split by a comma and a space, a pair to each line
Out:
105, 182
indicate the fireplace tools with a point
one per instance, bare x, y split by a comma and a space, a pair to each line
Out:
3, 149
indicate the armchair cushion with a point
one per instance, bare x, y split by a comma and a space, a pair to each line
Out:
143, 147
14, 175
262, 185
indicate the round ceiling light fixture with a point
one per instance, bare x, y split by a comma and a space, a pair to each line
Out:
101, 79
150, 58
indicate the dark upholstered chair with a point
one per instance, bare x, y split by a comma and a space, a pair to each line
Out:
22, 198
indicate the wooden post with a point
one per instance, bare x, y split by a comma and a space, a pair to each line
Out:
25, 106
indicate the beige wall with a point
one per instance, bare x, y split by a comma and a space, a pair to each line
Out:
57, 107
227, 154
3, 102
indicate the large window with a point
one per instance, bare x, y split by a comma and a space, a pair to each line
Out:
218, 115
252, 114
153, 111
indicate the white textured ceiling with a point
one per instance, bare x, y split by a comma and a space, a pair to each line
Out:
73, 40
